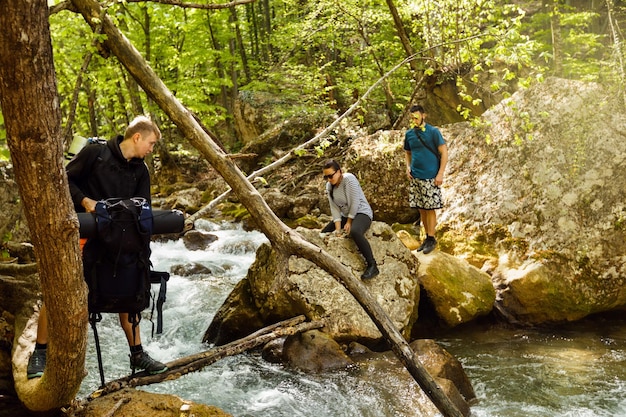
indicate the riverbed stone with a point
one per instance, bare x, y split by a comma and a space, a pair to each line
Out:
279, 287
533, 295
284, 288
458, 291
130, 402
198, 240
314, 351
441, 364
446, 370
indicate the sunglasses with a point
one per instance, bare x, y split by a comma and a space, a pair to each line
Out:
327, 177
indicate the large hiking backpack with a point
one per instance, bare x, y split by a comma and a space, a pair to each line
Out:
117, 262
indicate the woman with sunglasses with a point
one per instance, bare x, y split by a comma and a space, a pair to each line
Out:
350, 210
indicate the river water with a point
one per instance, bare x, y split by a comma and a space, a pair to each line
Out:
574, 370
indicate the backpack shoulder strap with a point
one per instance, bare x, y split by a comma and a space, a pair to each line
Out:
417, 133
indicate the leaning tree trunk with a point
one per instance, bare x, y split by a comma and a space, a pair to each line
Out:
30, 106
282, 237
402, 34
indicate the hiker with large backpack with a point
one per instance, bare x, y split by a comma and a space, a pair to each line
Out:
112, 181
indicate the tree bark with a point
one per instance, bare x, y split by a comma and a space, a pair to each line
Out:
240, 45
404, 37
282, 237
557, 40
30, 106
67, 134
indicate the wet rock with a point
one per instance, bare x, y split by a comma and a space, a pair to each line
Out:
187, 270
273, 350
458, 291
188, 200
314, 351
135, 403
237, 317
198, 240
441, 364
391, 376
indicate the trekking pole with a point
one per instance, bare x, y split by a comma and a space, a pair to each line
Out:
93, 319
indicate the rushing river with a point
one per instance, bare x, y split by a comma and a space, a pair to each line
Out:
577, 370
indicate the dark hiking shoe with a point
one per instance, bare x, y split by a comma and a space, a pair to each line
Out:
429, 245
421, 247
370, 272
143, 361
36, 364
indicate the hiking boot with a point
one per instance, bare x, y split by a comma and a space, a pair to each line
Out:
143, 361
36, 364
429, 245
421, 247
370, 272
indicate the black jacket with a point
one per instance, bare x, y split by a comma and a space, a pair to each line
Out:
100, 171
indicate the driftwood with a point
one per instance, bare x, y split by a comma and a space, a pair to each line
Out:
196, 362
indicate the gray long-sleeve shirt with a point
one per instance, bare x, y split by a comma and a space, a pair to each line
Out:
348, 199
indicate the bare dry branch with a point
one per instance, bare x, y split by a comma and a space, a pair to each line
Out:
196, 362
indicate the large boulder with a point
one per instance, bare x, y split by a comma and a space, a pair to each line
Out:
533, 196
458, 291
286, 289
540, 292
539, 188
378, 161
277, 288
392, 378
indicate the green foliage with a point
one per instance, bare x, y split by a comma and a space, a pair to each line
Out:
323, 145
322, 55
4, 150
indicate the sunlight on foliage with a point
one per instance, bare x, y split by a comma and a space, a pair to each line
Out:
320, 57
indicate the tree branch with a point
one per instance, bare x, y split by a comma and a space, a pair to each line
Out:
196, 362
67, 5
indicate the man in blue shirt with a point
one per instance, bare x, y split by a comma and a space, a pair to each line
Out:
426, 159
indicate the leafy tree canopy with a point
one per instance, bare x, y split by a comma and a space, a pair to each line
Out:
322, 54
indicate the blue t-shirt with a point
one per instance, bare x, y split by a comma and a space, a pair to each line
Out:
424, 163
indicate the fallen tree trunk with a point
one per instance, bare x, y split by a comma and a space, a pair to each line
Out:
196, 362
280, 235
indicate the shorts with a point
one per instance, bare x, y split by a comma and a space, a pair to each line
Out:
424, 194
